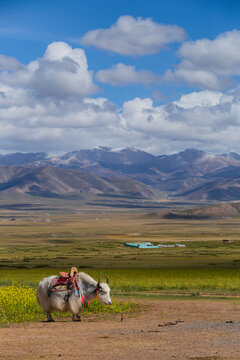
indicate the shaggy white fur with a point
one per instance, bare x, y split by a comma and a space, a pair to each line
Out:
54, 301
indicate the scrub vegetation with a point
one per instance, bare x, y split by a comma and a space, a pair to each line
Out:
19, 305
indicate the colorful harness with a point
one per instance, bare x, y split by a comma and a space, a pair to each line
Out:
86, 303
66, 283
63, 283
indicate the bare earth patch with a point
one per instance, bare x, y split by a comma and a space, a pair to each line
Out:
176, 329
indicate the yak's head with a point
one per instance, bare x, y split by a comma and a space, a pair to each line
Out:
104, 292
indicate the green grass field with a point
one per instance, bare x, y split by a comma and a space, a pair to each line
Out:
41, 238
131, 281
18, 288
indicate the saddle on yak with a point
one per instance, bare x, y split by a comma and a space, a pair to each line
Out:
65, 282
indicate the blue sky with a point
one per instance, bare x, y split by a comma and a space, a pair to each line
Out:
161, 76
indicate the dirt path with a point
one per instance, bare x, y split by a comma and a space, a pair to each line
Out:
191, 330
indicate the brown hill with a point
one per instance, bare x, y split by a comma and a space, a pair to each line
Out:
226, 210
53, 181
219, 211
226, 189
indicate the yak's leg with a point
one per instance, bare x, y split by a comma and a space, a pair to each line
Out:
49, 317
76, 318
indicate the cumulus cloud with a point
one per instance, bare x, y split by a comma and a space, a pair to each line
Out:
9, 63
62, 72
221, 54
130, 36
45, 105
209, 63
121, 74
28, 123
37, 116
189, 122
205, 119
204, 98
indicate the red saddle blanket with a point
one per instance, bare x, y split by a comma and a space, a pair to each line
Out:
64, 274
63, 282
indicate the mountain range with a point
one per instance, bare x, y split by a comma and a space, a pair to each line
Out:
192, 174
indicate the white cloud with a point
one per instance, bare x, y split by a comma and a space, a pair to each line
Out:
190, 122
196, 77
130, 36
205, 119
204, 98
35, 116
28, 123
209, 63
45, 105
62, 72
9, 63
121, 74
221, 55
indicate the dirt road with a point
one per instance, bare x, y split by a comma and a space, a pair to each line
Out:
191, 330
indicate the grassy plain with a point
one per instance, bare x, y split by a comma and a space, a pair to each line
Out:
39, 237
35, 237
151, 281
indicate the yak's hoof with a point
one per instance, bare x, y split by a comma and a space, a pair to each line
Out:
50, 320
76, 318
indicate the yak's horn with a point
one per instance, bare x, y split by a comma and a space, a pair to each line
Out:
98, 284
107, 279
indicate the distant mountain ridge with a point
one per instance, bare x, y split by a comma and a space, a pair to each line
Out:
54, 181
191, 173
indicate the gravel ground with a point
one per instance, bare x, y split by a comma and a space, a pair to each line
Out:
191, 330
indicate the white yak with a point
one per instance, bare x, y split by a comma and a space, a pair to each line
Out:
56, 301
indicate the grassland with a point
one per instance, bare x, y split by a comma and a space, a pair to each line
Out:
96, 241
43, 237
18, 288
132, 281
